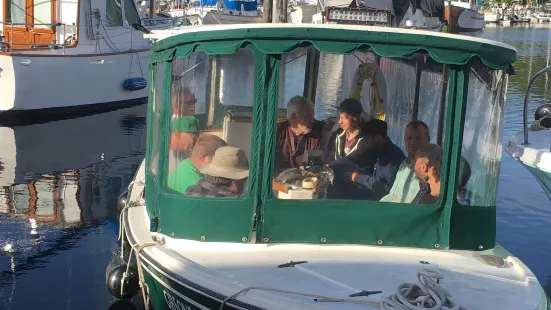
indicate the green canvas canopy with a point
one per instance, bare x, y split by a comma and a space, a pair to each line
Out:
446, 224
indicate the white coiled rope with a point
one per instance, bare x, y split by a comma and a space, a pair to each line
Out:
426, 294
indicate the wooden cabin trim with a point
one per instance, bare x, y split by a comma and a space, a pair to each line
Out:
52, 31
28, 30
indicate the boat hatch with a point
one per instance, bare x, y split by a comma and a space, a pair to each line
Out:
235, 84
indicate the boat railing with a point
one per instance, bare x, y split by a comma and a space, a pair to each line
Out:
527, 99
7, 46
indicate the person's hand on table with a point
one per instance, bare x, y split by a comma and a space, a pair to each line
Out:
351, 176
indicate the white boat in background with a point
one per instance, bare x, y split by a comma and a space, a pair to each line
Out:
491, 17
543, 17
494, 14
532, 145
463, 16
83, 55
389, 13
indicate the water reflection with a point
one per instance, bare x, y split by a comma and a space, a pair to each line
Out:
59, 182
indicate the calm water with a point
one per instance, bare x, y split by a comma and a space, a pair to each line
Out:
68, 174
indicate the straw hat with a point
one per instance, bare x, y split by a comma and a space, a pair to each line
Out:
228, 162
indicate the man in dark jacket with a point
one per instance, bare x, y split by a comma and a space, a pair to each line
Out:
378, 181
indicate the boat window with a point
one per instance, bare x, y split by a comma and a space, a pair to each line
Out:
42, 14
482, 136
157, 104
432, 108
16, 12
224, 92
315, 158
291, 73
206, 160
114, 13
130, 13
333, 85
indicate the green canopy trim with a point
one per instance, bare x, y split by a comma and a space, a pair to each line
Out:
447, 50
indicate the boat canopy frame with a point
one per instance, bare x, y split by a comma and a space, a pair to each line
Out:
445, 225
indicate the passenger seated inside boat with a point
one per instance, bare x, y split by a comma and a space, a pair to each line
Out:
378, 181
299, 133
187, 172
428, 168
184, 131
225, 176
183, 102
406, 183
348, 141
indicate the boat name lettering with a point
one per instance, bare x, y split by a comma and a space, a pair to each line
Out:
174, 303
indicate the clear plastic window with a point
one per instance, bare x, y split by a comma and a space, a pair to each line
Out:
130, 13
211, 124
482, 136
291, 75
15, 12
113, 13
156, 117
328, 151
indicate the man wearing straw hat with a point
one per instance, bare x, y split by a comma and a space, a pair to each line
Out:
225, 176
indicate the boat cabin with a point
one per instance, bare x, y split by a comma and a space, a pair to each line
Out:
235, 83
67, 24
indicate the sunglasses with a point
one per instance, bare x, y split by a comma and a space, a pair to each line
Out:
192, 101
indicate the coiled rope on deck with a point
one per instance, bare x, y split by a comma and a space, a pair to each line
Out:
426, 294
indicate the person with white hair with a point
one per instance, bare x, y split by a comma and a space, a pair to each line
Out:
299, 133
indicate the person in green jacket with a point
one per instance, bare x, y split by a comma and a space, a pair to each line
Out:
187, 172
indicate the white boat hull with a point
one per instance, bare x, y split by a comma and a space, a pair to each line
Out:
40, 81
462, 19
184, 274
217, 18
491, 17
536, 157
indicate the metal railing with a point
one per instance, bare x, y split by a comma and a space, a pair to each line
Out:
527, 99
8, 46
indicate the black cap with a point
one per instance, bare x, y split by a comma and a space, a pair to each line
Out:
376, 127
351, 106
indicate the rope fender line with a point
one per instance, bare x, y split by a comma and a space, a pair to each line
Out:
136, 249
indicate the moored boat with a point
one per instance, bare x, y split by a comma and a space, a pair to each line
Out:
257, 249
464, 16
532, 145
91, 57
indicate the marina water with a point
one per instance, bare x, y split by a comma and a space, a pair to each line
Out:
68, 175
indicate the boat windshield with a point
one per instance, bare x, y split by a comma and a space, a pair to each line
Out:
383, 147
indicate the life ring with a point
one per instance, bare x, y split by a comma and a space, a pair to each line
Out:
378, 86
